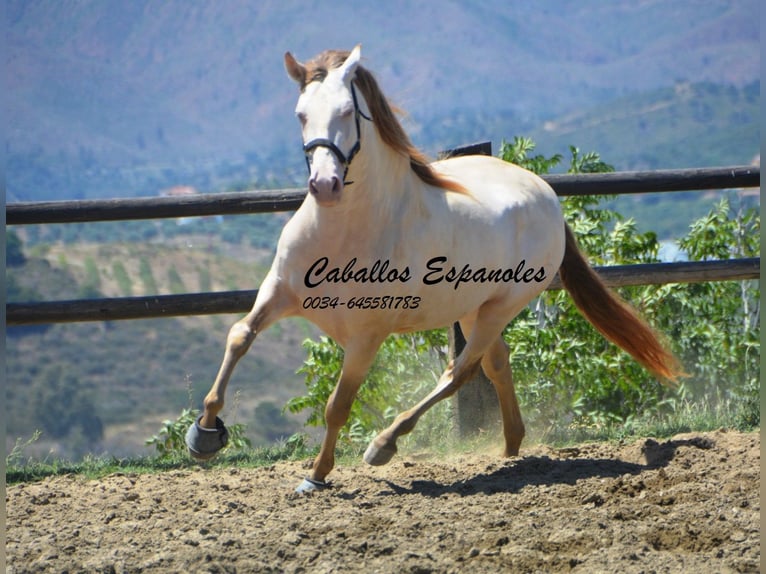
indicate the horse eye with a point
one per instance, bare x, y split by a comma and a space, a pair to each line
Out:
301, 118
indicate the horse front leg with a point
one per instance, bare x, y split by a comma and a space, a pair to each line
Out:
208, 434
356, 362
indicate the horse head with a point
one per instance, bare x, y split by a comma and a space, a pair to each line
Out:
329, 112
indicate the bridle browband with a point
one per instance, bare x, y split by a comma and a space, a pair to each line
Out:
329, 144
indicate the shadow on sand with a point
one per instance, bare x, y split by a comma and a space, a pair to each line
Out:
544, 470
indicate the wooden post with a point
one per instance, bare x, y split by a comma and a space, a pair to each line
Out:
475, 404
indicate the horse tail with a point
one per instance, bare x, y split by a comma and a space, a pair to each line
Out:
613, 317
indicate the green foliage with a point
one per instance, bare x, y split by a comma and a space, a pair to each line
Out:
16, 456
517, 152
568, 376
406, 368
20, 468
65, 410
588, 163
14, 253
169, 441
718, 340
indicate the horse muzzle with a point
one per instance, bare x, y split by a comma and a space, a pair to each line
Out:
326, 190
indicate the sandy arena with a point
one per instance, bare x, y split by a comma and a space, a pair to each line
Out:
686, 504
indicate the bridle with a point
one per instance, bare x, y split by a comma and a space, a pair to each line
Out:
329, 144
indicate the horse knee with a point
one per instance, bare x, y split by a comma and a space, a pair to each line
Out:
336, 412
239, 339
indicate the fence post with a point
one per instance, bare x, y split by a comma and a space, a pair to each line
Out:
475, 404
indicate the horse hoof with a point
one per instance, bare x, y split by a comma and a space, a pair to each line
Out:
379, 455
204, 443
309, 485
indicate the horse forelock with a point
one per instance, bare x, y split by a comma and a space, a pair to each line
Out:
382, 113
318, 67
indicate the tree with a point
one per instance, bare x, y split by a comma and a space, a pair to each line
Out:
63, 406
14, 252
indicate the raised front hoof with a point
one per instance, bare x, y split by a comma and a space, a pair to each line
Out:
309, 486
204, 443
379, 454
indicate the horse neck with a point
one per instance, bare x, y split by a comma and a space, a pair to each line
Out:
383, 181
384, 194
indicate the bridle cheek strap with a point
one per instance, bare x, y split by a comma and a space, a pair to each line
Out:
329, 144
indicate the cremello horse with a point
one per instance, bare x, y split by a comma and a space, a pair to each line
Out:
387, 243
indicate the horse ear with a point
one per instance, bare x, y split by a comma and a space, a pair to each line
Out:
349, 66
295, 69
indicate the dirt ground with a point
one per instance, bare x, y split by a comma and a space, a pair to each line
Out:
687, 504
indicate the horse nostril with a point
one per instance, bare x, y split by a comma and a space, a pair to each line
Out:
335, 184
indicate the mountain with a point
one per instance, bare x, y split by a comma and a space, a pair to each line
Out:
110, 98
685, 125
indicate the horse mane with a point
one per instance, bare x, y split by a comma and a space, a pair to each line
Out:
383, 115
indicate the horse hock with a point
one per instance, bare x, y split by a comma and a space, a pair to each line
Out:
204, 443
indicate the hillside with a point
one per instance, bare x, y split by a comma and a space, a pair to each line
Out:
688, 125
126, 377
122, 99
685, 125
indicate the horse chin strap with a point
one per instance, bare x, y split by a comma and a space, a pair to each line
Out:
344, 160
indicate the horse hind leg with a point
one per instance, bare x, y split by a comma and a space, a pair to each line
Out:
496, 366
487, 327
383, 447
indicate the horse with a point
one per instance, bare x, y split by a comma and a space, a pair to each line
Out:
387, 242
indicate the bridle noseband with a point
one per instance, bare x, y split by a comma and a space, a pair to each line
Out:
329, 144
